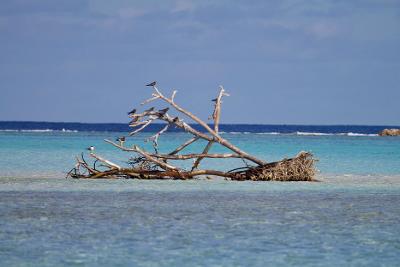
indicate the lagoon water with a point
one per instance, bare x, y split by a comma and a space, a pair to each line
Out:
350, 218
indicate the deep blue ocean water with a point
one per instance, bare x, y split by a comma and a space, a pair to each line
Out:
350, 218
252, 128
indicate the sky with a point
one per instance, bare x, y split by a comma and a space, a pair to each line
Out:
283, 61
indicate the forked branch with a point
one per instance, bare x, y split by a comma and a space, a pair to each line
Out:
147, 165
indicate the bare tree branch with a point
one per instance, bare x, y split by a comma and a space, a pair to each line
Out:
160, 163
187, 113
105, 161
192, 156
149, 100
172, 156
148, 156
155, 137
216, 117
154, 165
205, 151
187, 143
147, 123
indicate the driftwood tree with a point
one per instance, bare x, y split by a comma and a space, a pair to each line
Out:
148, 165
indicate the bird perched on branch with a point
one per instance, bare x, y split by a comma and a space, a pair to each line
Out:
163, 111
91, 148
133, 111
214, 100
176, 119
134, 120
148, 110
121, 140
152, 84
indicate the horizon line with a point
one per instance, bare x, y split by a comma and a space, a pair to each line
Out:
283, 124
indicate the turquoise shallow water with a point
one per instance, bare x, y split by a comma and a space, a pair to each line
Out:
338, 222
350, 218
27, 154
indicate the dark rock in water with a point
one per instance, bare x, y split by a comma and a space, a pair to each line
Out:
390, 132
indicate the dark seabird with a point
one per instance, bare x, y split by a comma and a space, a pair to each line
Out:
152, 84
149, 110
163, 111
214, 100
135, 119
91, 148
176, 119
121, 140
133, 111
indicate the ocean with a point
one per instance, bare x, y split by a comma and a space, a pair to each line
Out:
349, 218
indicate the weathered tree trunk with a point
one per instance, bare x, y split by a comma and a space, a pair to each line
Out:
146, 165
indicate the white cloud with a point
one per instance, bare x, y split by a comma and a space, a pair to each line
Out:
183, 6
322, 30
130, 12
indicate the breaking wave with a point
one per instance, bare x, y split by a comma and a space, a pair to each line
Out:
305, 133
38, 130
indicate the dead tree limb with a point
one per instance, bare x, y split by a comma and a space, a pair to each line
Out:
106, 162
173, 156
187, 143
146, 165
215, 136
216, 116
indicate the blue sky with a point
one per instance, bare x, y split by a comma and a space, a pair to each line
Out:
283, 62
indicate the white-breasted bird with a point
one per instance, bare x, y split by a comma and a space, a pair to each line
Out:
121, 140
